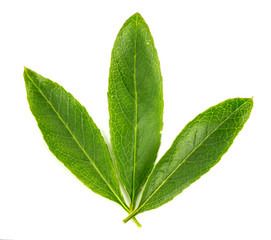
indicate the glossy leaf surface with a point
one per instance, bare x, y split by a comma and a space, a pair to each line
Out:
135, 104
72, 136
196, 149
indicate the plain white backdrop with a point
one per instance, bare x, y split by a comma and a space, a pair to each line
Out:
209, 51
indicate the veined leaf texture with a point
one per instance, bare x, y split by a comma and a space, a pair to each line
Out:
135, 100
198, 147
72, 136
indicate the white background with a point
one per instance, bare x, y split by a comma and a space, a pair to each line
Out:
209, 51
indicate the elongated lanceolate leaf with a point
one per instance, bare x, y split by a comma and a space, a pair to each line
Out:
197, 148
72, 136
135, 104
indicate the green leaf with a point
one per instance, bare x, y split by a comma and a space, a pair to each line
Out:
72, 136
135, 101
196, 149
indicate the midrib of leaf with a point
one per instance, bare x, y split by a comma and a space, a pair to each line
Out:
135, 212
134, 162
67, 127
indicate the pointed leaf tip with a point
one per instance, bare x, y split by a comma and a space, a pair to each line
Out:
137, 16
25, 69
135, 83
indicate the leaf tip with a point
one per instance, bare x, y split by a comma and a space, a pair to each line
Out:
25, 72
26, 69
251, 100
137, 15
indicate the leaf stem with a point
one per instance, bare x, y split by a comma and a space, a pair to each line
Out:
134, 219
132, 215
136, 222
130, 211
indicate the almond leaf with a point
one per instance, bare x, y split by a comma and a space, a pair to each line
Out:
135, 99
72, 136
198, 147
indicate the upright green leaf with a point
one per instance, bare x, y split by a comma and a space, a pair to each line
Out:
197, 148
72, 136
135, 101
